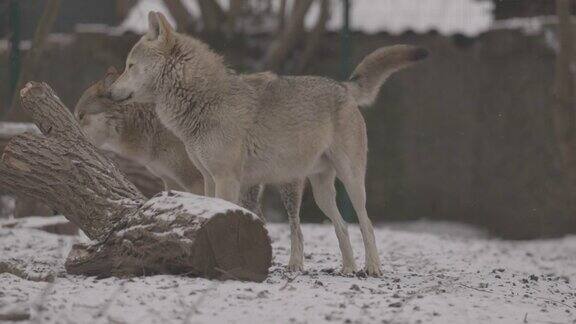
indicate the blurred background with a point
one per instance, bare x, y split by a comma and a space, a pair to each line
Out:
483, 132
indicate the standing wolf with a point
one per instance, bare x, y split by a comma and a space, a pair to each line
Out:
283, 131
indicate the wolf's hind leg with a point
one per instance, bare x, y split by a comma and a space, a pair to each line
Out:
351, 172
325, 196
291, 195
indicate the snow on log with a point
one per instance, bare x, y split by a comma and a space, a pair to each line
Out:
172, 233
178, 232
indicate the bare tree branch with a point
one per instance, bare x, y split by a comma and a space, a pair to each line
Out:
288, 39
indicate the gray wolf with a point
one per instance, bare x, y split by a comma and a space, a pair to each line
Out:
282, 130
133, 131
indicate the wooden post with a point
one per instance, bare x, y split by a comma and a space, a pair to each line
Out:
344, 203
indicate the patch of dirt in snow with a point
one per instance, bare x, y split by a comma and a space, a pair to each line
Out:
428, 279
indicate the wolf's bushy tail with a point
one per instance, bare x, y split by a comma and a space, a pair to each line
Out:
364, 83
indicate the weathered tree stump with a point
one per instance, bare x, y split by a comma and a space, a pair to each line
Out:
172, 233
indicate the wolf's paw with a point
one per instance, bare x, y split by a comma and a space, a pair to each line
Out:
373, 270
295, 266
348, 270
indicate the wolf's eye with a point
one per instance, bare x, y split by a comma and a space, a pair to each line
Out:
130, 65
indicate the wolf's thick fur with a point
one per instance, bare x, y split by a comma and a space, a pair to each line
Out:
133, 131
284, 130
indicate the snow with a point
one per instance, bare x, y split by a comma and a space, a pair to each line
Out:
9, 129
33, 222
440, 228
137, 19
189, 203
469, 17
429, 278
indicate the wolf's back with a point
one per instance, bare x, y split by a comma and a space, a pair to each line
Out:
366, 80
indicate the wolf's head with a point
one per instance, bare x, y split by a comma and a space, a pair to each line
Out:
94, 109
162, 59
145, 62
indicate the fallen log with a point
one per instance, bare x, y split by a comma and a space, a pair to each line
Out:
146, 182
172, 233
24, 206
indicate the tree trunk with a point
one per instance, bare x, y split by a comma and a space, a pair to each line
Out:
288, 39
45, 24
234, 13
281, 16
184, 20
315, 37
123, 8
213, 17
564, 114
173, 233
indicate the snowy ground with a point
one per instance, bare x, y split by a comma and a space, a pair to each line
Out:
429, 278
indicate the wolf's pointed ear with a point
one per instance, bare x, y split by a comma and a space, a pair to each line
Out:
159, 29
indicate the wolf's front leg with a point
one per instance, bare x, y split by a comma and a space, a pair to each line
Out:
227, 188
209, 186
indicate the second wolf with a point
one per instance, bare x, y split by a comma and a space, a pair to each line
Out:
286, 130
